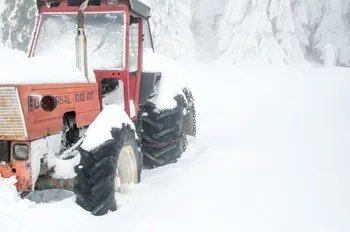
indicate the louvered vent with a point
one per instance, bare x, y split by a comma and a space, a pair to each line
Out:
11, 115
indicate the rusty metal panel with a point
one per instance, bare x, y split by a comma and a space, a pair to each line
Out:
12, 125
20, 169
5, 151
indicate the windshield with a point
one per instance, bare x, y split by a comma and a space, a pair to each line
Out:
104, 32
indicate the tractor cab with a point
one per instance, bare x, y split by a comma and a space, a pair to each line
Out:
105, 39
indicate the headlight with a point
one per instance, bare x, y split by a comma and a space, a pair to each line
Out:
20, 152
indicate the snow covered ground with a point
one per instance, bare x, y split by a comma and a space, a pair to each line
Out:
272, 155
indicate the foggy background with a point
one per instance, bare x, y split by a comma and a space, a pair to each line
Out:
274, 31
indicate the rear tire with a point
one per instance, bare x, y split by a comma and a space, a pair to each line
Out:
163, 134
190, 121
97, 171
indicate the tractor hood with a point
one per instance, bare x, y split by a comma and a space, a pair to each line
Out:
21, 81
23, 117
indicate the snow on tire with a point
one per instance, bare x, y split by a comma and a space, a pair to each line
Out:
163, 138
97, 171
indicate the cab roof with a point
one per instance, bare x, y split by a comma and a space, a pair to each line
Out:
135, 6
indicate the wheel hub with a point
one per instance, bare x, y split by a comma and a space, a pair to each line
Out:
126, 173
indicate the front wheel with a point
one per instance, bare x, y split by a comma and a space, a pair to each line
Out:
107, 169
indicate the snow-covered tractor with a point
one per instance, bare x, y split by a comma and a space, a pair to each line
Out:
92, 137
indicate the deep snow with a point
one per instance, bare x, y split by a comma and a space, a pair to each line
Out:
271, 155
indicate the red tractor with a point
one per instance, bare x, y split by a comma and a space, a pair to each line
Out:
49, 127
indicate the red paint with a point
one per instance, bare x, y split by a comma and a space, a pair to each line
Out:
20, 169
40, 124
139, 64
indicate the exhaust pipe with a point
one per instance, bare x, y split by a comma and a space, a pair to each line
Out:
81, 42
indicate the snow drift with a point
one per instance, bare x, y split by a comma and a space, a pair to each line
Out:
271, 155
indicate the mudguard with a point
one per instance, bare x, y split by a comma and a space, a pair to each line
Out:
148, 81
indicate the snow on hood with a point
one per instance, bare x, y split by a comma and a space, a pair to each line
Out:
16, 68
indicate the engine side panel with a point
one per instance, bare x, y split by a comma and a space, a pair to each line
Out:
83, 99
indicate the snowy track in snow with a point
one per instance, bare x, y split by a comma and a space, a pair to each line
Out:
272, 155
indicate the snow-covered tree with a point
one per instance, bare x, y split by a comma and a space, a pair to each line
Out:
171, 27
307, 15
247, 33
268, 30
301, 19
281, 17
286, 30
207, 15
334, 30
17, 23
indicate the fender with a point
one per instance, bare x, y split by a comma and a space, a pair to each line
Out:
148, 81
